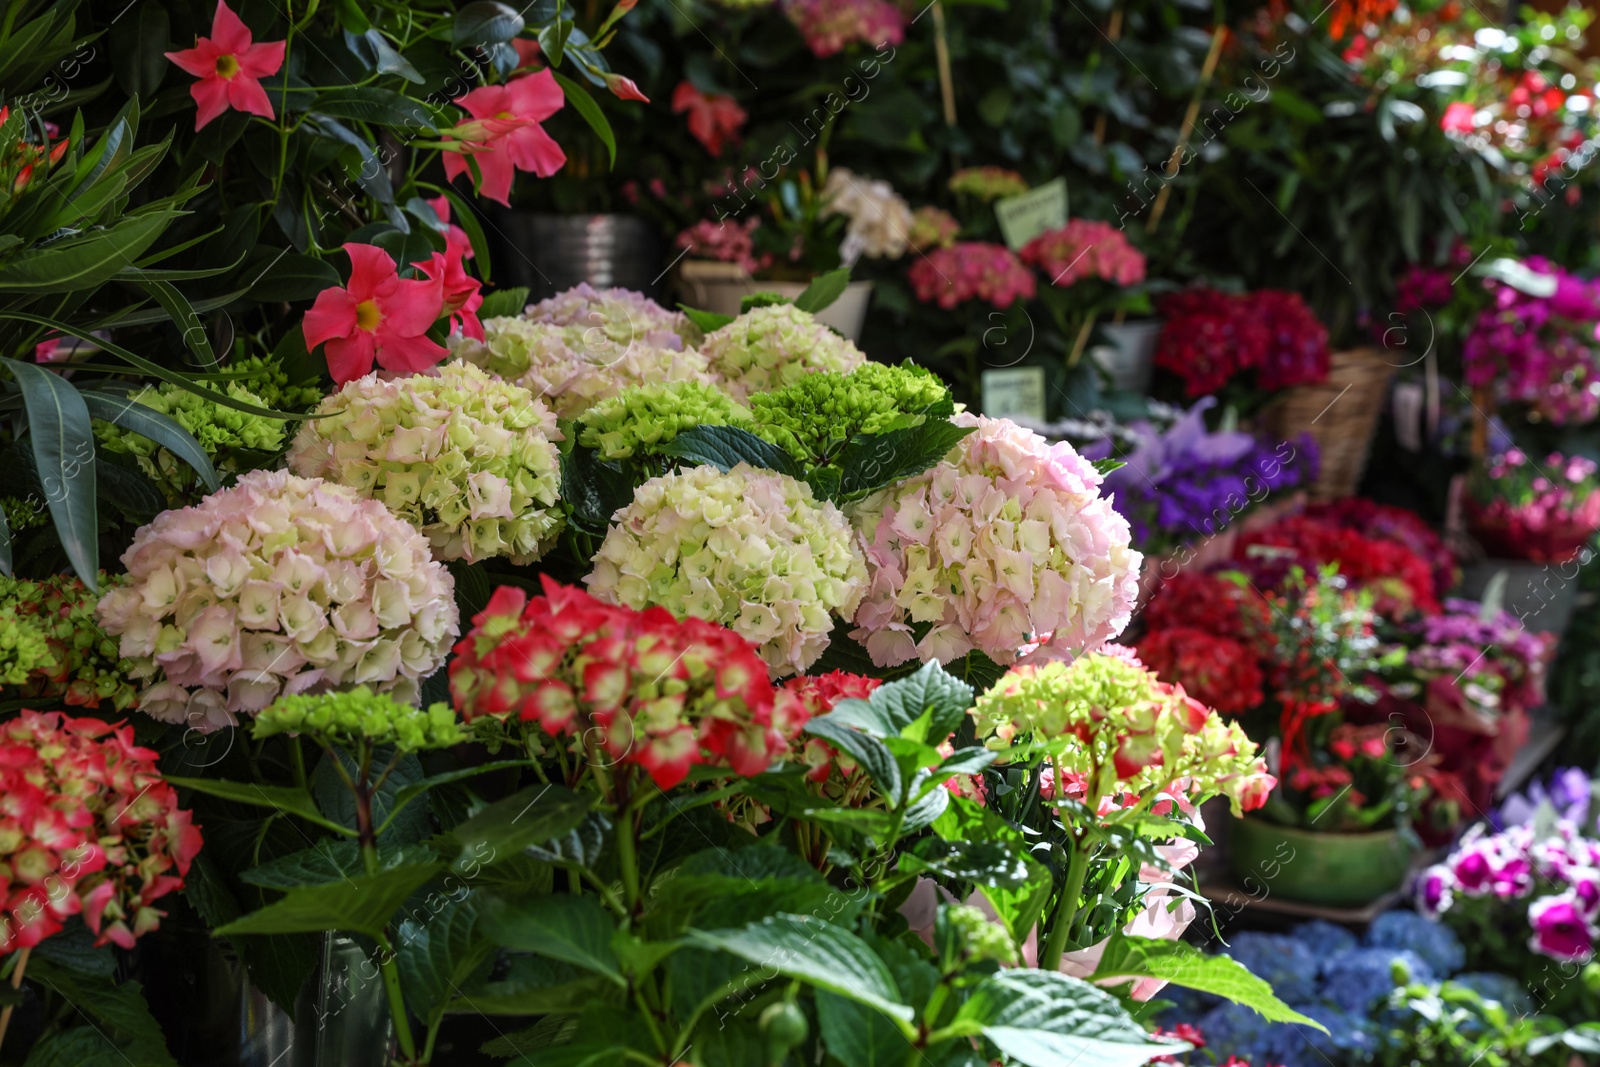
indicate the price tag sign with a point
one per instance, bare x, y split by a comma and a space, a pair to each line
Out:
1026, 215
1014, 393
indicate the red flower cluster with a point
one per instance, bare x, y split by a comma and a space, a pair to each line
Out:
1215, 605
1401, 582
1085, 249
17, 166
1390, 523
1216, 670
649, 689
89, 827
803, 698
1209, 337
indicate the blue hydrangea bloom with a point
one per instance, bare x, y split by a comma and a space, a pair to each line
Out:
1349, 1039
1356, 980
1434, 942
1325, 938
1233, 1030
1283, 962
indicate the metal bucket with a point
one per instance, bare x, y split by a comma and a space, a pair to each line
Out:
1128, 357
551, 253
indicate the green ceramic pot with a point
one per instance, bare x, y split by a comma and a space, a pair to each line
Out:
1337, 870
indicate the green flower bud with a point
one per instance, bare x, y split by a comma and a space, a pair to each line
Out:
360, 715
642, 418
815, 416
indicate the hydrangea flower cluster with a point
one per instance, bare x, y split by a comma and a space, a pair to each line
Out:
622, 315
971, 270
277, 586
987, 183
641, 418
80, 666
647, 688
265, 377
932, 227
1215, 669
725, 242
465, 458
750, 549
770, 347
1400, 581
1084, 249
831, 26
804, 698
1539, 350
360, 715
816, 416
572, 368
222, 432
1003, 542
879, 218
1387, 522
1111, 725
1209, 337
90, 828
1545, 511
1519, 879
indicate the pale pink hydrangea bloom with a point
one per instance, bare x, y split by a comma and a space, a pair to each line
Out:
1005, 541
622, 315
830, 26
278, 585
768, 348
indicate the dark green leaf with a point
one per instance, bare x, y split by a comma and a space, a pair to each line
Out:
534, 985
374, 50
708, 321
725, 447
484, 23
440, 952
823, 290
580, 847
575, 930
534, 816
290, 799
813, 951
985, 863
860, 1035
291, 276
63, 452
825, 482
928, 807
331, 861
137, 56
875, 759
119, 1011
1183, 964
413, 790
1045, 1019
85, 261
877, 460
504, 302
1019, 908
380, 107
931, 697
136, 418
593, 488
363, 904
80, 1046
579, 98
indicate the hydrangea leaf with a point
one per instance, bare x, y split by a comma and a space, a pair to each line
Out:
1183, 964
1044, 1019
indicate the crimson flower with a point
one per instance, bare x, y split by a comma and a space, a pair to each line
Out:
504, 134
458, 291
455, 238
230, 68
714, 118
376, 316
1457, 118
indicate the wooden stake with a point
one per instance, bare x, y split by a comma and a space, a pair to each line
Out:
941, 52
16, 983
1186, 131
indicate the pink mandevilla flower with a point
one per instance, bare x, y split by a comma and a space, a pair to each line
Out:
230, 68
376, 316
504, 134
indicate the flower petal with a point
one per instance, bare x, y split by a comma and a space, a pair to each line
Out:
333, 315
211, 99
262, 59
246, 94
228, 31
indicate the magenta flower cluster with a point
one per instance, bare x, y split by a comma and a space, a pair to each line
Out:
830, 26
1540, 351
1085, 249
1550, 884
971, 270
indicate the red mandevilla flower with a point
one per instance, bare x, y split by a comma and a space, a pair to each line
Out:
458, 291
649, 689
87, 826
504, 135
714, 118
377, 316
230, 68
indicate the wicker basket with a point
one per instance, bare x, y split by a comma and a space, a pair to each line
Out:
1340, 414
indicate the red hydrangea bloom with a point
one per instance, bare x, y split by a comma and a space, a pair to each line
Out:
1085, 249
1297, 345
656, 692
504, 135
1215, 605
376, 316
1401, 582
829, 26
802, 699
1218, 671
1207, 337
89, 827
1390, 523
971, 270
715, 119
230, 67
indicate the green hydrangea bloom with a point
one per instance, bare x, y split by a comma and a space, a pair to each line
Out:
979, 938
642, 417
814, 417
266, 378
770, 347
24, 648
359, 715
83, 666
24, 513
221, 431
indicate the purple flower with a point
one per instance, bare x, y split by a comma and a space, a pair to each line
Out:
1560, 929
1435, 891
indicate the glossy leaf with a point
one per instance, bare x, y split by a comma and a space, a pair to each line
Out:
725, 447
289, 799
533, 816
63, 452
875, 759
586, 106
439, 950
136, 418
823, 290
331, 861
1183, 964
363, 904
1045, 1019
572, 929
83, 262
877, 460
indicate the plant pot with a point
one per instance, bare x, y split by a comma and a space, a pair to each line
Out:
1540, 595
721, 287
1336, 870
551, 253
1511, 539
1340, 414
1129, 355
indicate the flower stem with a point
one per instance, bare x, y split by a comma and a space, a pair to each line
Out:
1066, 908
386, 965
